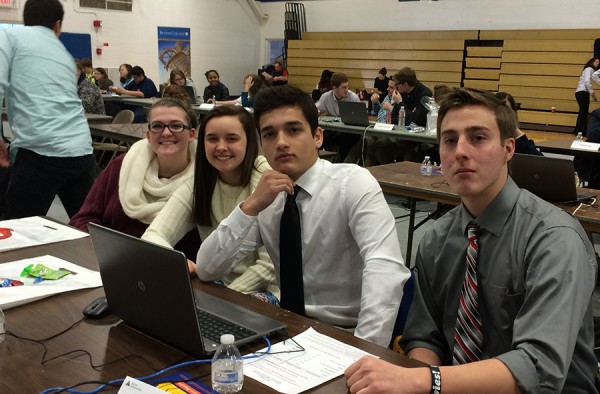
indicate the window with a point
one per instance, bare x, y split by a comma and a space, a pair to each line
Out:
119, 5
274, 50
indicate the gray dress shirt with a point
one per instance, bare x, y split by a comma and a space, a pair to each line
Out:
536, 272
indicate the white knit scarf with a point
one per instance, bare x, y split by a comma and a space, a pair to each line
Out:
141, 192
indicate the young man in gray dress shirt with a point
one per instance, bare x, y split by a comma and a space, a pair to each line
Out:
535, 274
351, 259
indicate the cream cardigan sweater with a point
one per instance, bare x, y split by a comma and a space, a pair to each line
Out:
256, 271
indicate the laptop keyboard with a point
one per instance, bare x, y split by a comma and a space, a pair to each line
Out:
213, 327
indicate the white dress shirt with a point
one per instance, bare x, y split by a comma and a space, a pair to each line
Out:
353, 269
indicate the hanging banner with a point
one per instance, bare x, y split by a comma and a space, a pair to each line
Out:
173, 52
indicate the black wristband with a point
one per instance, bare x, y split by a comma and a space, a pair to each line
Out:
436, 380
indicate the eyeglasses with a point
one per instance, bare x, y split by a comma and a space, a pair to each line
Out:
174, 127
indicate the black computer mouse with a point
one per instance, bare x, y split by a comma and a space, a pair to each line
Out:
97, 309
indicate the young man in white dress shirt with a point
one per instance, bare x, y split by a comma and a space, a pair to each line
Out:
351, 259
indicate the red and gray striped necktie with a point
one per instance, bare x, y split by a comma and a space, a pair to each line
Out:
468, 338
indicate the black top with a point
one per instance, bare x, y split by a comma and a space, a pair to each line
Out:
415, 111
381, 85
526, 146
220, 92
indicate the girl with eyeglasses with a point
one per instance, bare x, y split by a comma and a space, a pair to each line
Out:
156, 172
228, 168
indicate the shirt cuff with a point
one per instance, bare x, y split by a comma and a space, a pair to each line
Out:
525, 374
238, 222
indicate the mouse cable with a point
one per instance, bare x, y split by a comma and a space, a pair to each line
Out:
44, 360
362, 148
42, 341
116, 382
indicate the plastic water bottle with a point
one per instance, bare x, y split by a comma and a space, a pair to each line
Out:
227, 367
426, 167
214, 99
432, 122
2, 328
401, 117
579, 137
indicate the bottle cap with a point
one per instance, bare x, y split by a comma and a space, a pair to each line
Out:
227, 339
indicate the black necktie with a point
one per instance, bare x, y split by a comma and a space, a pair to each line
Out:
290, 256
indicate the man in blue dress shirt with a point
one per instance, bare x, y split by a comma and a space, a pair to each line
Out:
51, 147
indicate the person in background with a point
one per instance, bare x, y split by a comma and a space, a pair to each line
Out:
214, 88
342, 277
51, 149
125, 74
381, 81
440, 91
523, 144
156, 172
141, 87
177, 77
102, 80
228, 168
279, 76
86, 63
382, 107
88, 93
328, 105
409, 94
323, 86
503, 282
177, 92
584, 92
252, 85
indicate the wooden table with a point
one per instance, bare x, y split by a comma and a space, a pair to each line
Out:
404, 179
109, 339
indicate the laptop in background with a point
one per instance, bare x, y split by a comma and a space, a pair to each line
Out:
149, 287
191, 93
354, 113
550, 178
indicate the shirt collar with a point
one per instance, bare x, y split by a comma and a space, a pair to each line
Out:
310, 179
494, 217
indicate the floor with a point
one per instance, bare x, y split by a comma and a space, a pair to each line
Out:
400, 213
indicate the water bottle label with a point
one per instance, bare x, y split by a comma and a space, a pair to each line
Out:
225, 377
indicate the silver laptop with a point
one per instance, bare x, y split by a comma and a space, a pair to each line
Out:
149, 287
354, 113
550, 178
